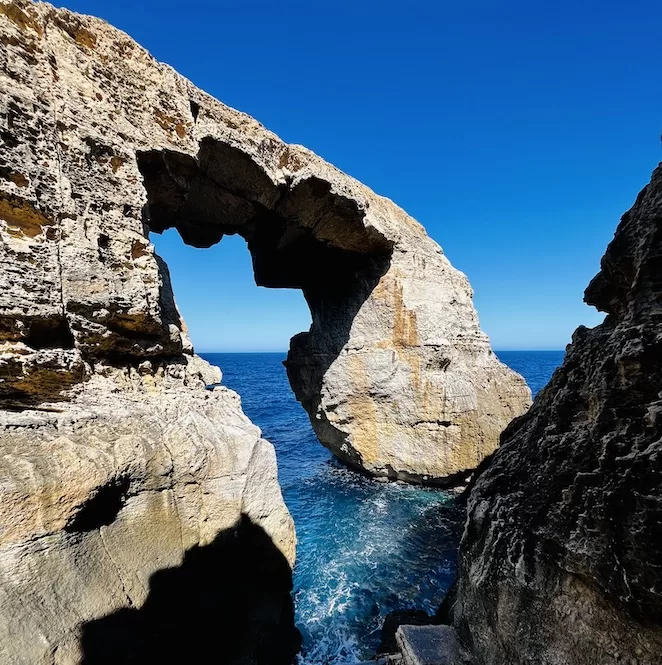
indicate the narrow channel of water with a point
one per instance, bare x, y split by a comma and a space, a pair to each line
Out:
365, 547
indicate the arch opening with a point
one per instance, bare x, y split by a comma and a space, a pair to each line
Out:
223, 309
300, 234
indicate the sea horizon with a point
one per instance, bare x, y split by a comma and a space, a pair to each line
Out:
205, 351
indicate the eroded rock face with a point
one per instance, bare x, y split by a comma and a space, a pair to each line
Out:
561, 558
141, 518
102, 144
139, 491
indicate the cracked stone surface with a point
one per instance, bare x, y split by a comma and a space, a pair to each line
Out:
561, 558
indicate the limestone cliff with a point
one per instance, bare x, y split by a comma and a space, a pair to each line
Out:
101, 144
561, 559
141, 518
142, 523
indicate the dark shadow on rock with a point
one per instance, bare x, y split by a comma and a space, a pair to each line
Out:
229, 602
101, 508
334, 302
444, 613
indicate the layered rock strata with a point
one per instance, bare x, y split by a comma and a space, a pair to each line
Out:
101, 144
561, 559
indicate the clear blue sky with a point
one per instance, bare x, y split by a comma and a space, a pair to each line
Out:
516, 132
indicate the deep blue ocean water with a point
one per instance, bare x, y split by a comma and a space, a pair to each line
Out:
365, 547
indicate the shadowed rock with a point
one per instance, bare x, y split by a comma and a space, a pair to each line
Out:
228, 602
128, 481
561, 559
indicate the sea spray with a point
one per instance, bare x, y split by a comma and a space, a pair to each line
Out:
365, 548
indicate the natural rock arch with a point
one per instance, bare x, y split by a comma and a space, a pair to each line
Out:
115, 462
395, 373
303, 234
304, 237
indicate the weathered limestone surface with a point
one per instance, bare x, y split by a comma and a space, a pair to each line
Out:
126, 481
101, 144
141, 518
561, 559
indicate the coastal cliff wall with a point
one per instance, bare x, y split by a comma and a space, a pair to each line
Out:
103, 145
142, 524
561, 558
141, 519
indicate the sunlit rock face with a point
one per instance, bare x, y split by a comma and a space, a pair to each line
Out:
141, 518
116, 464
561, 557
103, 144
126, 500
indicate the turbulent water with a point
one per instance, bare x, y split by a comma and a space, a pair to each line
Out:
365, 547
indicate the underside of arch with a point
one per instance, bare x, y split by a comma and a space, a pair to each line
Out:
302, 236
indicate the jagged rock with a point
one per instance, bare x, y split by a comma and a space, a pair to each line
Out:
102, 144
561, 558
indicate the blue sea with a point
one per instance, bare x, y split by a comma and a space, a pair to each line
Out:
365, 548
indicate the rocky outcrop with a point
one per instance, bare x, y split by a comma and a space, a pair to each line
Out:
141, 518
561, 558
128, 520
102, 144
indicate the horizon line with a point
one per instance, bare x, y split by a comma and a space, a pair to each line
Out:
285, 351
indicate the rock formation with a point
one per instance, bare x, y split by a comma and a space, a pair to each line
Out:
130, 478
127, 490
102, 144
561, 558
